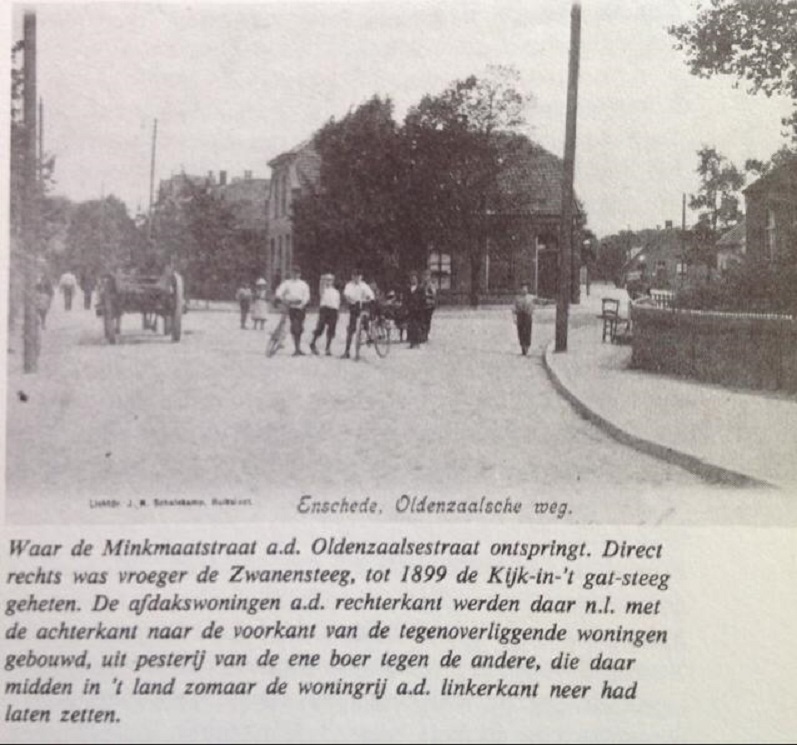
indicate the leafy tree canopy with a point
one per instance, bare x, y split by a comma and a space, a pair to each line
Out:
752, 40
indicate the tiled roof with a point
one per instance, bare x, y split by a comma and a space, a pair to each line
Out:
734, 237
531, 180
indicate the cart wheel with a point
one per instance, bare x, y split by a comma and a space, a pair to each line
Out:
108, 318
177, 312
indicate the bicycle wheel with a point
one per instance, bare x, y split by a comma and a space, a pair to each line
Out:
380, 333
360, 333
276, 338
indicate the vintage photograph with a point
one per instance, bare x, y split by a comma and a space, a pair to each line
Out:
506, 260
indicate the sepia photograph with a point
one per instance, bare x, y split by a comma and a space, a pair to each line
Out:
472, 261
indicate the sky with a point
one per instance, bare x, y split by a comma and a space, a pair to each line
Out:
234, 85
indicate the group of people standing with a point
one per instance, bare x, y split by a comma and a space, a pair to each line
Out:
414, 309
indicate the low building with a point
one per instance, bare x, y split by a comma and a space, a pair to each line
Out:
732, 247
524, 232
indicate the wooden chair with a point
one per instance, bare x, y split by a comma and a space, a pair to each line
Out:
610, 315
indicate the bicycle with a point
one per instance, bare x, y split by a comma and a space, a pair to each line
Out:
277, 339
372, 328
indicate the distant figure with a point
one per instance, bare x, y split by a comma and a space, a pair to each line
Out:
260, 304
295, 294
244, 298
87, 286
430, 298
415, 299
327, 313
67, 285
44, 298
523, 312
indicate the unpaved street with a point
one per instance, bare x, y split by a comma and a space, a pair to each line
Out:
213, 417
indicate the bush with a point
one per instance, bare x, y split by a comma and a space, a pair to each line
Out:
749, 287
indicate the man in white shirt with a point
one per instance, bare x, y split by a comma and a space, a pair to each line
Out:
358, 295
67, 285
327, 313
295, 294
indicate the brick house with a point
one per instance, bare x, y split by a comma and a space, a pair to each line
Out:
292, 172
523, 241
771, 206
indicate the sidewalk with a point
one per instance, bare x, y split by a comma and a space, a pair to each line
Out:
725, 435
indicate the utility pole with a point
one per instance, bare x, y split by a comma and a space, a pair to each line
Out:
152, 179
30, 201
41, 144
566, 247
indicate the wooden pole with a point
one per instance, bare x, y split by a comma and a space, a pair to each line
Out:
566, 247
41, 144
152, 178
31, 340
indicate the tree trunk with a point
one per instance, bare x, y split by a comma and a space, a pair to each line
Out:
475, 275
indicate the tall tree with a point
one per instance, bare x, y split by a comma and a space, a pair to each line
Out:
353, 215
458, 147
196, 232
101, 237
752, 40
717, 201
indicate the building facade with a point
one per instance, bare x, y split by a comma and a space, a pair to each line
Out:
771, 206
292, 172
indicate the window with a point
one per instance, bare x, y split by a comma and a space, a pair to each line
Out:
772, 236
440, 266
275, 197
284, 195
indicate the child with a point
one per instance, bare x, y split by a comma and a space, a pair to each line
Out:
244, 298
260, 305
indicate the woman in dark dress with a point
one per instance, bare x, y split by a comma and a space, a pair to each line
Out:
416, 312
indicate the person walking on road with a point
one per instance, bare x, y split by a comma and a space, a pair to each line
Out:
327, 313
44, 298
244, 298
260, 304
416, 312
87, 287
67, 285
358, 295
430, 298
295, 294
523, 312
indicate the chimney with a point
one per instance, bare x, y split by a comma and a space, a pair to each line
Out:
668, 224
222, 178
247, 175
210, 177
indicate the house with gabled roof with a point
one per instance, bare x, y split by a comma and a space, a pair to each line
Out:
292, 173
771, 214
524, 234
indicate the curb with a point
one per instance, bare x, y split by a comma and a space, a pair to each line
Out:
707, 471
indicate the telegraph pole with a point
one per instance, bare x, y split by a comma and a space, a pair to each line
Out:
152, 178
41, 144
31, 333
566, 247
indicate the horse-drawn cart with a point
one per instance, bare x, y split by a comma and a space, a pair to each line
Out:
153, 296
